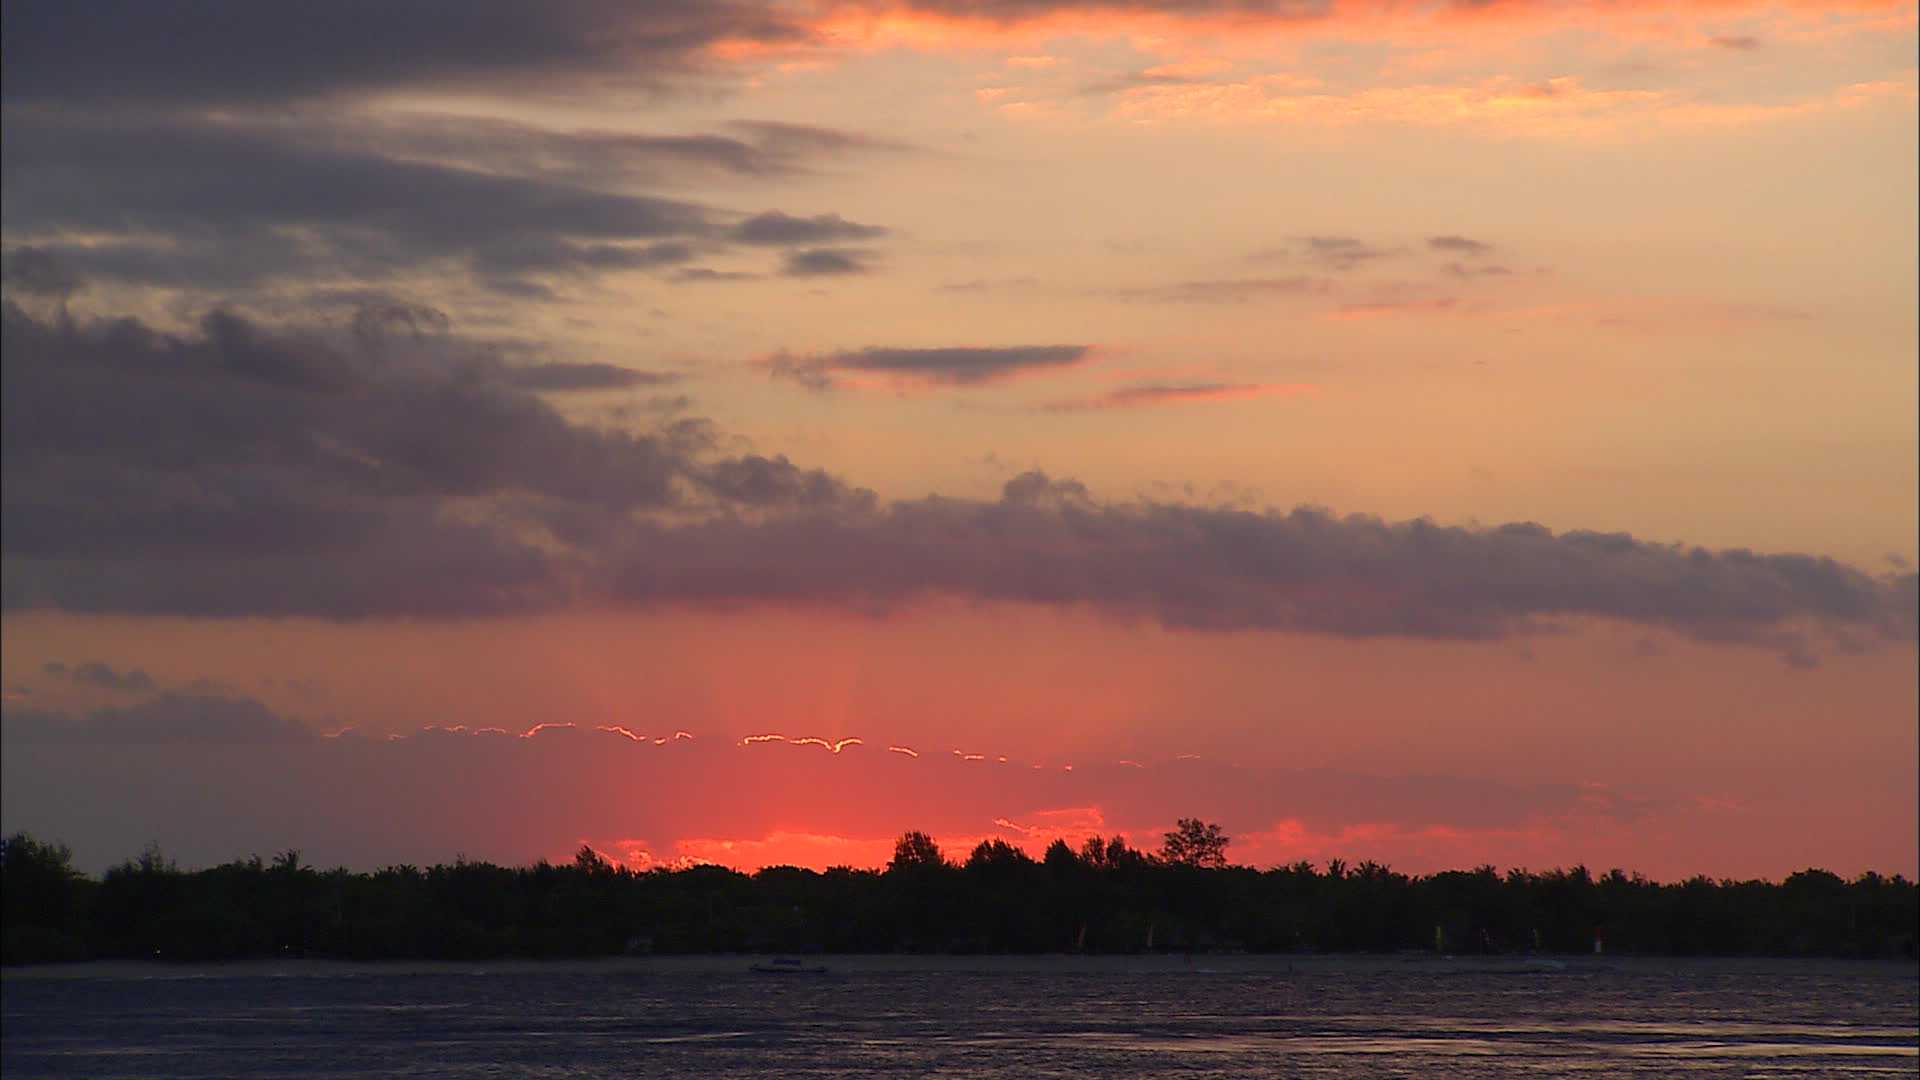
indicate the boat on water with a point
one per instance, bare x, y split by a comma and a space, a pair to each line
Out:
788, 965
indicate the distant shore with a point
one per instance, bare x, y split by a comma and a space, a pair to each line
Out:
1307, 965
1108, 900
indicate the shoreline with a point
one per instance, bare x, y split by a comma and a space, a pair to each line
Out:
1280, 964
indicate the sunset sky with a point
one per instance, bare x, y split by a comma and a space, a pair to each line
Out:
1436, 433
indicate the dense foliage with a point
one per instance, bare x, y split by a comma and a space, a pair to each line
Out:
1106, 897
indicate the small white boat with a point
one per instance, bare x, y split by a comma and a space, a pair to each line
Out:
788, 965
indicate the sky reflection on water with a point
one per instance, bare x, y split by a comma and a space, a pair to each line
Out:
1039, 1017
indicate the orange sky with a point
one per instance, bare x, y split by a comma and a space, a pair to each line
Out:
947, 376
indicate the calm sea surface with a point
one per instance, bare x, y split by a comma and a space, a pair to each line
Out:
988, 1017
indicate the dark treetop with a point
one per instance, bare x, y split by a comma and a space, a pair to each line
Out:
1106, 897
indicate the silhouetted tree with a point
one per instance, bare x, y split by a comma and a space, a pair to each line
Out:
591, 862
1110, 854
1112, 899
44, 897
997, 855
915, 850
1196, 843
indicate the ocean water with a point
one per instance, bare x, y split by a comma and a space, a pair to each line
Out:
961, 1017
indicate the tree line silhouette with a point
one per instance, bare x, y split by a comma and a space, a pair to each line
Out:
1104, 897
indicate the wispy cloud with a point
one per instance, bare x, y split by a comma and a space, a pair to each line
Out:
775, 228
1227, 290
1149, 395
956, 366
563, 377
1469, 271
265, 53
1342, 252
363, 211
826, 262
102, 677
1459, 245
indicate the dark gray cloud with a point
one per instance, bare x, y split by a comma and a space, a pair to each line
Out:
698, 274
170, 719
560, 377
952, 366
242, 471
224, 206
1221, 569
825, 262
390, 562
775, 228
529, 254
270, 207
225, 146
195, 260
235, 51
102, 677
36, 271
812, 141
379, 316
761, 481
1459, 245
591, 158
241, 398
